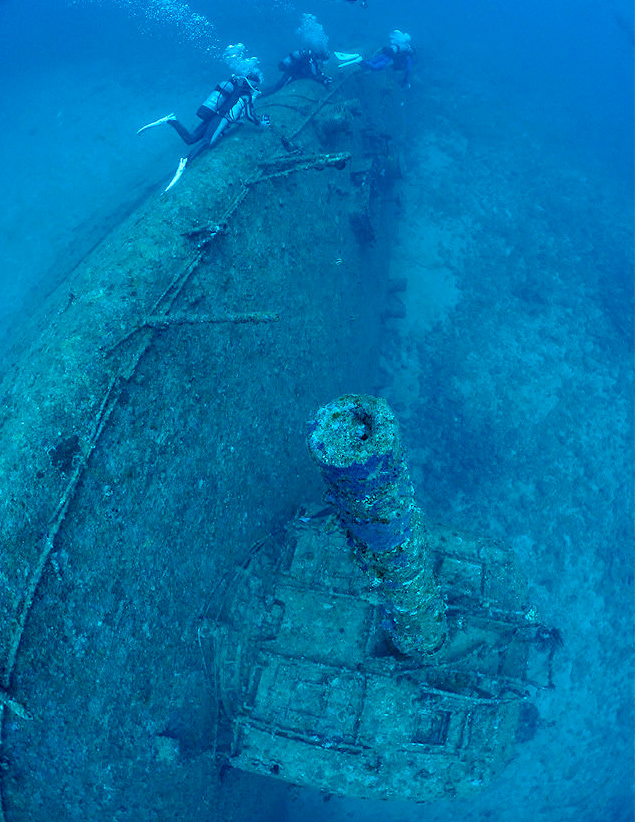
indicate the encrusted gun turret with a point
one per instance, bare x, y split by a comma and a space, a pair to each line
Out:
355, 441
365, 654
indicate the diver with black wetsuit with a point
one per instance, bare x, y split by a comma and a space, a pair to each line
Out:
303, 64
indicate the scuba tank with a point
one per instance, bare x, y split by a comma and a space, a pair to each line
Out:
290, 61
218, 97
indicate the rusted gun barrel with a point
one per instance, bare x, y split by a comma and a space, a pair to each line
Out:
355, 441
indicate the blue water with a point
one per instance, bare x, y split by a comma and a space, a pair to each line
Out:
78, 79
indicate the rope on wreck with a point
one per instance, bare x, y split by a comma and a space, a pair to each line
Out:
160, 321
6, 700
320, 105
55, 523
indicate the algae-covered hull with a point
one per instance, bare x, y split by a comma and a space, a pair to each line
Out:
153, 420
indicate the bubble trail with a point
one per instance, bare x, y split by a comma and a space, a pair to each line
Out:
191, 27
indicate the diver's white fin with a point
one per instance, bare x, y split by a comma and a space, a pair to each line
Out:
345, 56
177, 176
351, 60
158, 122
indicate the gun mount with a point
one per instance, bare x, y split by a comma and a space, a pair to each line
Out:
323, 666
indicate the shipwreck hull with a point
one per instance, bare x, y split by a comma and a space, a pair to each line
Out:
153, 420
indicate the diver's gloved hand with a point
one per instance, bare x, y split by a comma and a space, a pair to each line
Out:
265, 120
326, 80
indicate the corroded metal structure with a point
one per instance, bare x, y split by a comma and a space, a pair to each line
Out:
355, 441
307, 666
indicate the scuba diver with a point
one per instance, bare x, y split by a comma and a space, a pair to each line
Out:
399, 54
299, 65
229, 103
